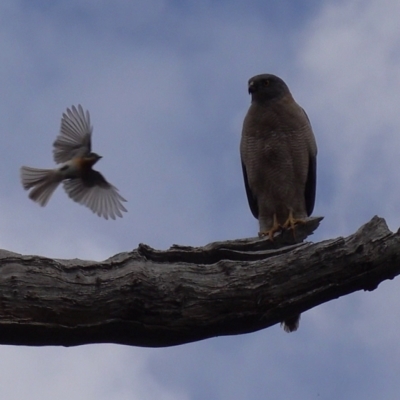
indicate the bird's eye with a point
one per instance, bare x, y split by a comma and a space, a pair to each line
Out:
266, 82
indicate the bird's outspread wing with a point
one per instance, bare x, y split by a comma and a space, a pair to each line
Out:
97, 194
75, 135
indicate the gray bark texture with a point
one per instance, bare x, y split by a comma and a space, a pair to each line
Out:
157, 298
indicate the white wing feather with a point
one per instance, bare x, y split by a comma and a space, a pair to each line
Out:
105, 201
75, 135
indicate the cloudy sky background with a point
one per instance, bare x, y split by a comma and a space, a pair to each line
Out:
166, 86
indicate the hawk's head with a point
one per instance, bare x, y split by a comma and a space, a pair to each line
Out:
266, 87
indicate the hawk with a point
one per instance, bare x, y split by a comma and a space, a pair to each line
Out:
279, 159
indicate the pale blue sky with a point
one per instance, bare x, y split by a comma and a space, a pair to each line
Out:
166, 86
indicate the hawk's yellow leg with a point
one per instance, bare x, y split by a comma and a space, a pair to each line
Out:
270, 233
291, 222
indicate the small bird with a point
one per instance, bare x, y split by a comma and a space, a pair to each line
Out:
72, 149
278, 153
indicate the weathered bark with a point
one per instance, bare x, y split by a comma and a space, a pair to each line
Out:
163, 298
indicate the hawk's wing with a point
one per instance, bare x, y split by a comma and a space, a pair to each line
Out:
250, 197
75, 135
311, 183
97, 194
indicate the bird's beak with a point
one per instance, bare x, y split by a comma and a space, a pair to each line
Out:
251, 87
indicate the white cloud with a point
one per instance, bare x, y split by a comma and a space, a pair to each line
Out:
87, 372
353, 64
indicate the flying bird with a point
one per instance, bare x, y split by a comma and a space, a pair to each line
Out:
279, 159
73, 151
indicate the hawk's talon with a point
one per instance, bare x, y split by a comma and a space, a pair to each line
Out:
276, 227
291, 222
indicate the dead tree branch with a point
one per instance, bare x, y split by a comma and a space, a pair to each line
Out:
163, 298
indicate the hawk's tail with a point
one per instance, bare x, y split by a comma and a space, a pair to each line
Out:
291, 324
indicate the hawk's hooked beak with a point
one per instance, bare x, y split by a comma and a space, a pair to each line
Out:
252, 87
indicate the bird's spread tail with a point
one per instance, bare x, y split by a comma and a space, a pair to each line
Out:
43, 181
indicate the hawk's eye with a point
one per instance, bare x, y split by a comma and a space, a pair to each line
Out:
266, 82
